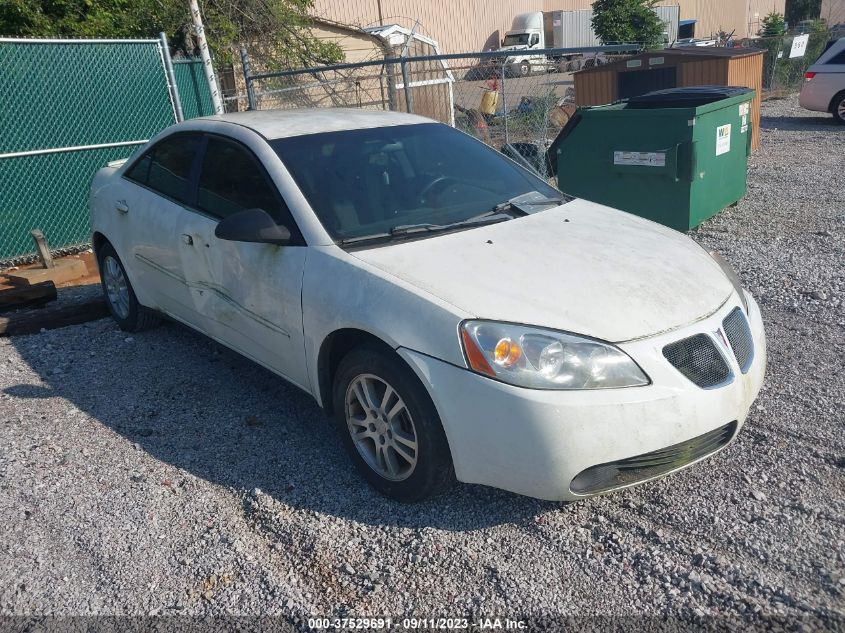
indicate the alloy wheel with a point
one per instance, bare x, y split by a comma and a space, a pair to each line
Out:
381, 427
117, 290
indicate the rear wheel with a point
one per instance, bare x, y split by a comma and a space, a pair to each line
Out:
390, 427
838, 107
130, 315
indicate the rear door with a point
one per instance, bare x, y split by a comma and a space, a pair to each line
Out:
248, 295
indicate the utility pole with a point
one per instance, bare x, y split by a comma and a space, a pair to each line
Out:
216, 101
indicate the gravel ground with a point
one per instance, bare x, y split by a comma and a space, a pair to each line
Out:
162, 474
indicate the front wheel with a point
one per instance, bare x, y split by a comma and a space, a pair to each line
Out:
524, 69
838, 107
390, 427
130, 315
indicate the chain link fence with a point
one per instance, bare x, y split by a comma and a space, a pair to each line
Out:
783, 74
68, 108
511, 101
192, 85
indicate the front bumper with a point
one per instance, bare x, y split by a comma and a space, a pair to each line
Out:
535, 442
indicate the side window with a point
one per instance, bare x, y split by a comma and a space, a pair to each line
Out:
141, 169
839, 58
166, 168
231, 180
534, 39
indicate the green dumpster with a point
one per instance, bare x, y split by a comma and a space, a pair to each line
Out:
676, 156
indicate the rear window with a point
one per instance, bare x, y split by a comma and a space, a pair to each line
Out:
839, 58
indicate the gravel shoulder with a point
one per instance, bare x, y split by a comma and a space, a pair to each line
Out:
160, 473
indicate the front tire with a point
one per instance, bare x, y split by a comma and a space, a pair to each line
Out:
524, 69
130, 315
838, 107
390, 427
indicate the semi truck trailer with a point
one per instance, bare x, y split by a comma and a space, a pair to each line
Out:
540, 30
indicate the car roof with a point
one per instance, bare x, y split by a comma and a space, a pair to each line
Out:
273, 124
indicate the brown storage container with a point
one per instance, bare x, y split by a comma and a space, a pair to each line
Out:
675, 68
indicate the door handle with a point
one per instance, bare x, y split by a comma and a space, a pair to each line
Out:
121, 206
187, 239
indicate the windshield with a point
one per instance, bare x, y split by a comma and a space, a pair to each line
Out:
515, 39
371, 181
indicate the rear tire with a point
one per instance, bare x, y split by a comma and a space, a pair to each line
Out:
123, 305
837, 107
399, 445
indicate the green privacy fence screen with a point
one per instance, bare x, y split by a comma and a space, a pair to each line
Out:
193, 88
67, 107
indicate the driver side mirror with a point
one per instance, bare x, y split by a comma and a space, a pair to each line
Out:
252, 225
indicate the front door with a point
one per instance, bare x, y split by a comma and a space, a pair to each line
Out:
155, 214
248, 295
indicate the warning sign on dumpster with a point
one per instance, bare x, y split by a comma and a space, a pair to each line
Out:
723, 139
644, 159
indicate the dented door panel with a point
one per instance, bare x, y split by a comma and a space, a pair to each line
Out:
248, 297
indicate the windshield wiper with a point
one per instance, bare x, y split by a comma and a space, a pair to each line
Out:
531, 199
499, 213
402, 230
488, 217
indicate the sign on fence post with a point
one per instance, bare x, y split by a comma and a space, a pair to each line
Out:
799, 46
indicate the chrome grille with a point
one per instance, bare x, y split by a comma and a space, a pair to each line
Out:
629, 471
698, 359
739, 336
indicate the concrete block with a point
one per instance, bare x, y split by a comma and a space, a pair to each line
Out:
62, 271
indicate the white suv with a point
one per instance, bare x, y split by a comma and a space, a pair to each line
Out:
824, 82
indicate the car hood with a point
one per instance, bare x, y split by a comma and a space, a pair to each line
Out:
579, 267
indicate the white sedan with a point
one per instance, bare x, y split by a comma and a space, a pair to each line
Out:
459, 318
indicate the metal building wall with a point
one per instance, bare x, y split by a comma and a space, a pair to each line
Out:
833, 11
472, 25
458, 26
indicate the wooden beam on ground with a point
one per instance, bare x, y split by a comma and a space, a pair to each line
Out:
36, 295
52, 317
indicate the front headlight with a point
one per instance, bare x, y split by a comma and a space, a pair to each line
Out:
545, 359
730, 273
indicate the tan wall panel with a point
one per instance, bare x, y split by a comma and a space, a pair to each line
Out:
458, 26
595, 88
833, 11
472, 25
748, 71
759, 9
356, 47
707, 72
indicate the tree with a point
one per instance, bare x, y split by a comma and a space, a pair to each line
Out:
278, 27
797, 10
773, 25
628, 21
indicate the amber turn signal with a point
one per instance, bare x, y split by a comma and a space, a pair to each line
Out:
475, 357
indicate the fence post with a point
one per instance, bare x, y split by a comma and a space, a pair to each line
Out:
199, 31
171, 77
250, 93
778, 53
504, 98
409, 99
